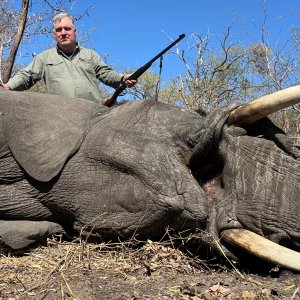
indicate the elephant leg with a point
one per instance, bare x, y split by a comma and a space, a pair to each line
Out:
21, 233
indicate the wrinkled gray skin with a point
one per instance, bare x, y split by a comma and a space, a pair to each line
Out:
138, 168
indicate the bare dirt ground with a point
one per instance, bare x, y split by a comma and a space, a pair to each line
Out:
79, 270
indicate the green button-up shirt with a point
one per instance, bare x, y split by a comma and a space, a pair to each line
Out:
74, 76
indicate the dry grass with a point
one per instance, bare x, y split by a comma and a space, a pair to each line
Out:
81, 270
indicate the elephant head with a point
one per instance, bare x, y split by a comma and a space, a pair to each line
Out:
140, 167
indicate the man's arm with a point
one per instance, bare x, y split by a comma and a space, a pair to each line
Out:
105, 73
26, 77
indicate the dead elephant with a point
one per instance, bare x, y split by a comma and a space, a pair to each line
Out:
71, 164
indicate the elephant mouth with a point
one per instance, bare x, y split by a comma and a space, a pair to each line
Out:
209, 177
261, 247
245, 239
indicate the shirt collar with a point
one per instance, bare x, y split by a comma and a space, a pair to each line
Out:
69, 56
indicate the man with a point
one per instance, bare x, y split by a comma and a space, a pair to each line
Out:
68, 69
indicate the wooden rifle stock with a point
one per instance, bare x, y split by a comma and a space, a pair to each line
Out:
122, 86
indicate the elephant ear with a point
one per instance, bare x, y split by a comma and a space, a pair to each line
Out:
43, 131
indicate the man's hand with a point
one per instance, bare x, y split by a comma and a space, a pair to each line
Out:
129, 83
5, 86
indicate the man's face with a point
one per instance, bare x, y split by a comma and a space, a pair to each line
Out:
65, 34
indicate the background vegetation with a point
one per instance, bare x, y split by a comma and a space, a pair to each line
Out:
218, 69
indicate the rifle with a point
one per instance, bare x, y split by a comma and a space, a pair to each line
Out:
122, 86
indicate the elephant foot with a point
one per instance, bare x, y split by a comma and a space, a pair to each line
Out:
22, 233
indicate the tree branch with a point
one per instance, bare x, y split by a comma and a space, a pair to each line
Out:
14, 49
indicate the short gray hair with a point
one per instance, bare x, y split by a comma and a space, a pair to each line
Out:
60, 16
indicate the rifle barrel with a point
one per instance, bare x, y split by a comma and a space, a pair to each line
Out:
122, 86
167, 48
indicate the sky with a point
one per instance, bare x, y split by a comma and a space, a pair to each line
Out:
134, 31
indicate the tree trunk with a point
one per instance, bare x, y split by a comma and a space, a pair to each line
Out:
14, 49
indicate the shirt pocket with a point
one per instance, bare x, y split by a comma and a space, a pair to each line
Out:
55, 70
87, 66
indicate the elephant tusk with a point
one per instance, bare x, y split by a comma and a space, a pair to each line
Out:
257, 109
263, 248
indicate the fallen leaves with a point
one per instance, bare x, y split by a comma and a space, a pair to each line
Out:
157, 270
219, 290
